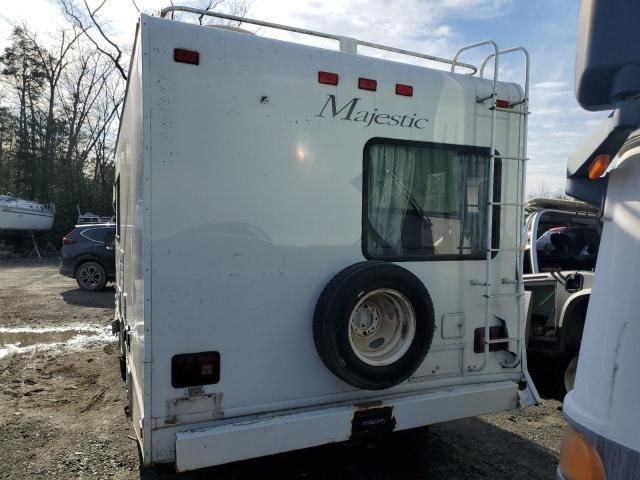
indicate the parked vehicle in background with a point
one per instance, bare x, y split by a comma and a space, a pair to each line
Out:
353, 267
601, 439
563, 237
88, 255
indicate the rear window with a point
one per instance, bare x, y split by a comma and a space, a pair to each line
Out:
97, 234
567, 242
426, 201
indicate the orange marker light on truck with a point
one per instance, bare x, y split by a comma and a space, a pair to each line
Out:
578, 459
599, 166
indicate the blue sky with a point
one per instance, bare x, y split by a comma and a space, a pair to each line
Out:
547, 28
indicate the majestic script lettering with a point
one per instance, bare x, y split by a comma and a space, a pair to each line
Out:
367, 118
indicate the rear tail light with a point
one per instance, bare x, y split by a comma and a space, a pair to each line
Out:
367, 84
328, 78
404, 90
495, 333
502, 104
194, 369
67, 240
183, 55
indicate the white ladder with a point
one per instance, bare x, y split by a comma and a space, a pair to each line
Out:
520, 158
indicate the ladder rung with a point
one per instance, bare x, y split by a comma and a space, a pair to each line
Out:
509, 110
507, 249
485, 98
519, 159
508, 204
515, 104
504, 295
500, 340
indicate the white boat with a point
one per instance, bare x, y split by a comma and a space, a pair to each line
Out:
89, 217
17, 214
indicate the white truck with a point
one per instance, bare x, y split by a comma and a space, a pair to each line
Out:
601, 439
313, 245
559, 266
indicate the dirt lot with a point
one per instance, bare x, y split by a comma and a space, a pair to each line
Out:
61, 408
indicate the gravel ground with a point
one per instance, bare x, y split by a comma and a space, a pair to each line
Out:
61, 408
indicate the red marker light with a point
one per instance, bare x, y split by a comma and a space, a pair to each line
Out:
404, 90
182, 55
328, 78
502, 104
367, 84
193, 369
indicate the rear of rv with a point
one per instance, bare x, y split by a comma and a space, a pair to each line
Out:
312, 245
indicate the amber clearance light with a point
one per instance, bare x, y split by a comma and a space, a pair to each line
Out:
578, 459
599, 166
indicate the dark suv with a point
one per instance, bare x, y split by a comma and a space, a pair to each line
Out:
88, 256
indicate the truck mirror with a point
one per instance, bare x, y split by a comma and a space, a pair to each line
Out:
608, 57
574, 282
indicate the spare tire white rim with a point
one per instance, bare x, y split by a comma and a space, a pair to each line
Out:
382, 327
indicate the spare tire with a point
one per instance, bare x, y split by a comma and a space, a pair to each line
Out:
373, 325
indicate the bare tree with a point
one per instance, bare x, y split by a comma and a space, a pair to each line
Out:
87, 90
52, 63
544, 191
231, 7
60, 102
23, 73
88, 21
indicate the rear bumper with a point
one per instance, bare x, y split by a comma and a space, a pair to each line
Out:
66, 269
275, 434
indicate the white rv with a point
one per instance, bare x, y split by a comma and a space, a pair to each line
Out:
312, 244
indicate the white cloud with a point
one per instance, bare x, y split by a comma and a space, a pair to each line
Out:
424, 26
550, 85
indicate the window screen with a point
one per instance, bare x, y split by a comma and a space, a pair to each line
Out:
426, 201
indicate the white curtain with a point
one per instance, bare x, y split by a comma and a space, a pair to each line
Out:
390, 183
430, 182
474, 182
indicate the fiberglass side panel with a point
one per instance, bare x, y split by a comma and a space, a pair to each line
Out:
129, 259
257, 204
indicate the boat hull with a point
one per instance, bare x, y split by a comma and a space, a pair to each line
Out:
17, 219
